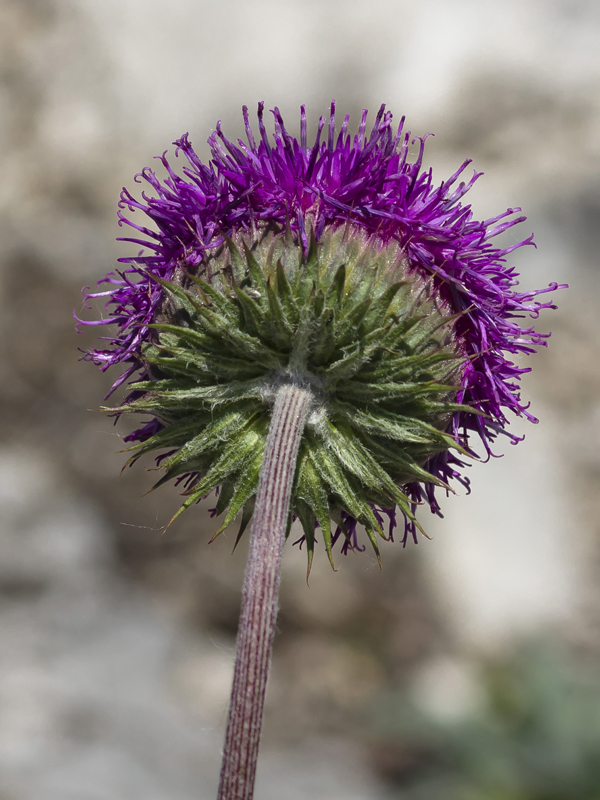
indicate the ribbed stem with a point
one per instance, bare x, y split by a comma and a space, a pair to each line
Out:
261, 593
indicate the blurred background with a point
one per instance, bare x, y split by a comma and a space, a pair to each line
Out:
468, 668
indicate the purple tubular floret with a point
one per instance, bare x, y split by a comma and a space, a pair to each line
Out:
368, 181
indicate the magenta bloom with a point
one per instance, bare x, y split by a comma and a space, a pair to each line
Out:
368, 181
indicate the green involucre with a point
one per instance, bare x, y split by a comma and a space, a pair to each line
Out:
350, 320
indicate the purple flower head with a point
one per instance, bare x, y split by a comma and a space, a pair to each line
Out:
366, 182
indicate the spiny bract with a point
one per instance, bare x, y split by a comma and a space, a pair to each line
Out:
373, 341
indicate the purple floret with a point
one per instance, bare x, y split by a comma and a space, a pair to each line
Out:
366, 180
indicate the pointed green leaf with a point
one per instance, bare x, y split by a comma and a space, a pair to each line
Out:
238, 265
254, 318
307, 519
286, 296
257, 274
349, 322
247, 513
312, 490
245, 488
221, 302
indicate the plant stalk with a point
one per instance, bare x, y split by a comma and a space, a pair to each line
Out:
261, 593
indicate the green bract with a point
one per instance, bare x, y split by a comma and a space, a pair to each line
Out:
346, 317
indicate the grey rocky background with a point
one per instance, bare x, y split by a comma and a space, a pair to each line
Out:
117, 640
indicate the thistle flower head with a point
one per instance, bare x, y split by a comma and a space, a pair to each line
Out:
339, 265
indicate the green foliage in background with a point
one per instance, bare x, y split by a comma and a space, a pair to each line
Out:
533, 735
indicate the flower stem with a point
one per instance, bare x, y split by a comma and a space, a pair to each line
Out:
261, 593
